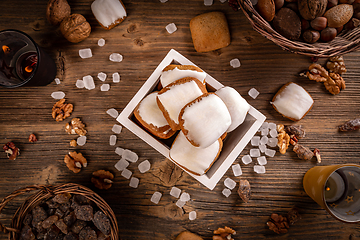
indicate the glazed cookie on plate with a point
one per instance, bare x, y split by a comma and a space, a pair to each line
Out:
174, 72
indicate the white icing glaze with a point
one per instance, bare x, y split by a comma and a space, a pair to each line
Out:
236, 104
206, 120
170, 76
177, 97
293, 101
193, 158
150, 112
108, 11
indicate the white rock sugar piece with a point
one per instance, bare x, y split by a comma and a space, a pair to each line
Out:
180, 203
264, 132
105, 87
81, 140
130, 155
246, 159
254, 152
222, 1
236, 170
192, 215
272, 126
264, 140
272, 142
79, 83
185, 197
102, 76
85, 53
144, 166
255, 140
229, 183
57, 81
226, 192
134, 182
116, 77
113, 112
163, 1
171, 28
259, 169
88, 82
235, 63
208, 2
273, 133
253, 93
175, 192
126, 173
119, 151
101, 42
116, 128
155, 198
270, 152
112, 140
264, 125
262, 148
58, 95
262, 160
116, 57
121, 164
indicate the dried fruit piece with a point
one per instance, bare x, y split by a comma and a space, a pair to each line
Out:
84, 212
75, 161
102, 179
223, 234
102, 222
278, 223
303, 152
11, 150
32, 138
76, 127
244, 190
295, 130
62, 110
351, 125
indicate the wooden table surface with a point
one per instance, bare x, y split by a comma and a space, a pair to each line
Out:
144, 42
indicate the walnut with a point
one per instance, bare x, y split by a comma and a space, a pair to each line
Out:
336, 65
317, 73
317, 155
75, 161
75, 28
223, 234
335, 83
11, 150
278, 223
76, 127
57, 10
32, 138
283, 139
62, 110
102, 179
73, 143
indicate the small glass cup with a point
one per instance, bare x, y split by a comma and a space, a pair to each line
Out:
23, 62
337, 189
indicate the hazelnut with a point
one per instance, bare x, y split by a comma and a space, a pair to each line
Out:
75, 28
57, 10
293, 6
305, 24
311, 36
328, 34
319, 23
279, 4
332, 3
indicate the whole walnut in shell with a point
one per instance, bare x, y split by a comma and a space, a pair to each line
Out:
75, 28
310, 9
57, 10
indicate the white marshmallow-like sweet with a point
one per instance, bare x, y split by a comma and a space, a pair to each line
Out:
170, 76
238, 107
108, 12
150, 112
195, 160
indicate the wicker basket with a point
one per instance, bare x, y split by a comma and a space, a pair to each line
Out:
345, 42
46, 192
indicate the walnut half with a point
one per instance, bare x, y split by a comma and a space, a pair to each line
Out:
102, 179
61, 110
76, 127
75, 161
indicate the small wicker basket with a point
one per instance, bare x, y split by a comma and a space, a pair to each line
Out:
46, 192
345, 42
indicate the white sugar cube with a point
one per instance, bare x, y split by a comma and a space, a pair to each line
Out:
259, 169
192, 215
130, 155
101, 42
144, 166
88, 82
175, 192
272, 142
116, 128
105, 87
116, 77
171, 28
229, 183
121, 164
119, 151
112, 140
235, 63
185, 197
246, 159
255, 140
253, 93
254, 152
134, 182
264, 140
81, 140
58, 95
208, 2
270, 152
236, 170
264, 125
272, 126
126, 173
57, 81
262, 148
264, 132
85, 53
113, 112
102, 76
222, 1
79, 83
180, 203
262, 160
226, 192
116, 57
155, 198
273, 133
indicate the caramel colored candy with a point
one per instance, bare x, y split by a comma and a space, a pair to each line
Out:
339, 15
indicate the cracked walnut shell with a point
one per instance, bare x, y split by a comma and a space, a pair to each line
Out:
102, 179
76, 127
61, 110
75, 161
